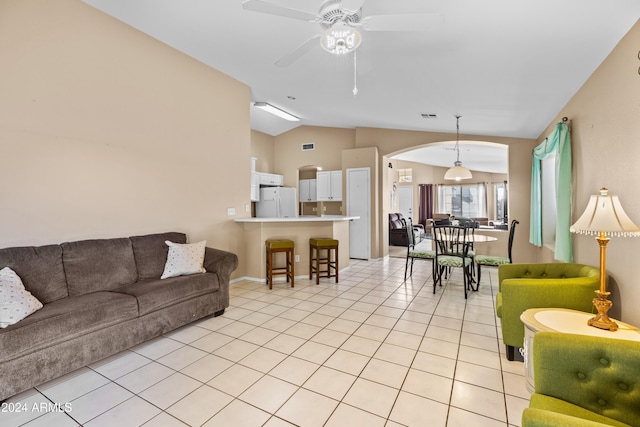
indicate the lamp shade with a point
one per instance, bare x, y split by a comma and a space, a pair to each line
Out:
604, 214
458, 172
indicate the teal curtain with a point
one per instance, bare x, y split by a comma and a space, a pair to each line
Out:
560, 143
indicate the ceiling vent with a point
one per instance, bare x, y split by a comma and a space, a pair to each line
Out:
429, 116
309, 146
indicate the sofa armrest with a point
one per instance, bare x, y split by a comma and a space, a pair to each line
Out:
221, 262
533, 417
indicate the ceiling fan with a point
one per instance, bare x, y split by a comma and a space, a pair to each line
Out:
341, 20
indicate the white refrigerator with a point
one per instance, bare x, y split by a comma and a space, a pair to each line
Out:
277, 202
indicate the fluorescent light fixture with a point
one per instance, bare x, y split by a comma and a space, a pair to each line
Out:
276, 111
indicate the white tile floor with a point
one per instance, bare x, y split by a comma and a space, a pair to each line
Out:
369, 351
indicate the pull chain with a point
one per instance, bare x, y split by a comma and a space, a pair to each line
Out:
355, 75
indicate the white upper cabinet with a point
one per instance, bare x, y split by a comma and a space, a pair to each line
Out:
271, 179
255, 181
308, 190
255, 186
329, 186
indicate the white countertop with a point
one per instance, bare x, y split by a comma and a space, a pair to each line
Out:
305, 218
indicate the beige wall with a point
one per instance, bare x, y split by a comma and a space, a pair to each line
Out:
262, 149
107, 132
605, 129
329, 143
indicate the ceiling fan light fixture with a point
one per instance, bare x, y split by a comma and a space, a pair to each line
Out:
276, 111
340, 39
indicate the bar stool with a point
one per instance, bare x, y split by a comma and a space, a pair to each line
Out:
316, 244
279, 245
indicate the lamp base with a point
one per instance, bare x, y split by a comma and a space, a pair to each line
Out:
601, 320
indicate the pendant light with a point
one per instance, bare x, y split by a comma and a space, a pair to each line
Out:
458, 172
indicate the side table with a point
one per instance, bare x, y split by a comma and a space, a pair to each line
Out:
566, 321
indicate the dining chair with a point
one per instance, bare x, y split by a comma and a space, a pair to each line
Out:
421, 250
495, 261
452, 247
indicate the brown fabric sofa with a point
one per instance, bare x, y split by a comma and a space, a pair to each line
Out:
101, 297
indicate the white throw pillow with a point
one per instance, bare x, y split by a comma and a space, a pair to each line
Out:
16, 302
184, 259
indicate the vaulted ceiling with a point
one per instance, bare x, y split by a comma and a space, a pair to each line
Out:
507, 66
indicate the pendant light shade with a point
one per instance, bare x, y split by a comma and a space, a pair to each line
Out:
458, 172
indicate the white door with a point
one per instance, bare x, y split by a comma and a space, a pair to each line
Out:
405, 202
359, 204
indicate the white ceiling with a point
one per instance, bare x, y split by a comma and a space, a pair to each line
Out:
507, 66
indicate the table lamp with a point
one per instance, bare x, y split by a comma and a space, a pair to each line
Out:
604, 217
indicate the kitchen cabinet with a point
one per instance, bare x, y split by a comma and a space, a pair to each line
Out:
255, 186
308, 190
329, 186
255, 181
271, 179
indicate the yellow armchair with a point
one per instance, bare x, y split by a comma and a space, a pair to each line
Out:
583, 381
552, 285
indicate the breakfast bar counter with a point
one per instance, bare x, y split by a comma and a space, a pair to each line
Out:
299, 229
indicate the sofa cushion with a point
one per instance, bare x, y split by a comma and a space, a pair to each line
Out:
184, 259
65, 319
396, 222
150, 252
154, 294
40, 269
98, 265
15, 302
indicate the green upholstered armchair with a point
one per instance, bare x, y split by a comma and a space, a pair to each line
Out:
584, 381
552, 285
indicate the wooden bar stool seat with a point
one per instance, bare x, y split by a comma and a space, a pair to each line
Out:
317, 244
273, 246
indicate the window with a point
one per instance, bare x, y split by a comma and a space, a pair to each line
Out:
501, 201
467, 201
549, 208
405, 175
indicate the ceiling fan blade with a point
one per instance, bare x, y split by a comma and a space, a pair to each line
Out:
416, 22
352, 5
274, 9
301, 50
